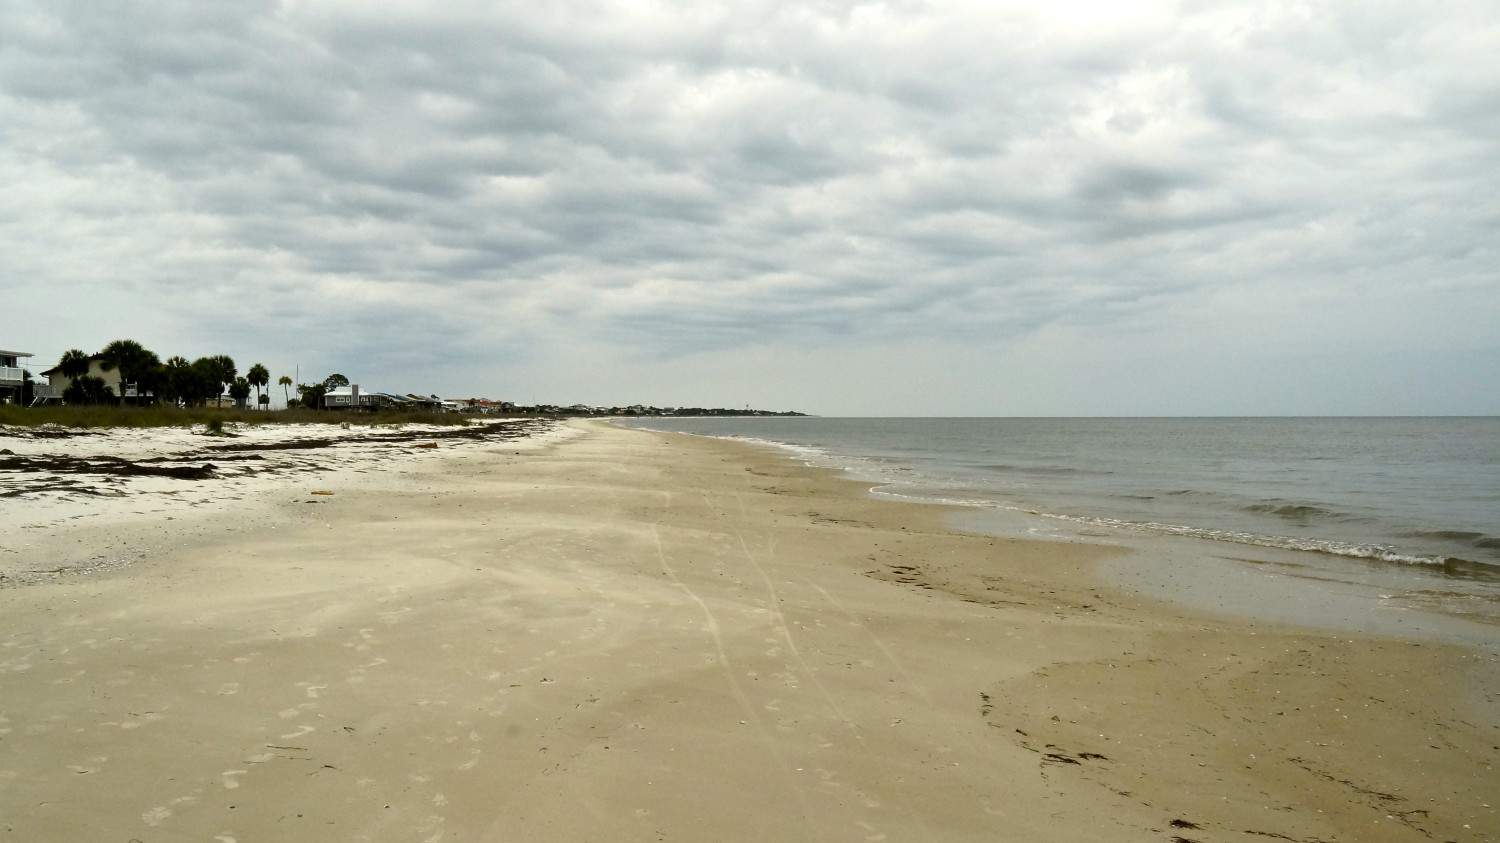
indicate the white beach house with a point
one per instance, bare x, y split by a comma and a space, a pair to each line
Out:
12, 376
59, 382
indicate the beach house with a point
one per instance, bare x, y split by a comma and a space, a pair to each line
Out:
353, 398
480, 405
59, 382
12, 376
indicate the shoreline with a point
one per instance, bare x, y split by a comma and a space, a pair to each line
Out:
1212, 570
631, 635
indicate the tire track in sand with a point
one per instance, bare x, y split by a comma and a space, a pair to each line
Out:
780, 617
751, 714
879, 644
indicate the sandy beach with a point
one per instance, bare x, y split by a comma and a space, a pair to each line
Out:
598, 633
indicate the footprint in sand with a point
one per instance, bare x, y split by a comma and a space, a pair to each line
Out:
93, 765
229, 689
433, 824
230, 778
301, 730
296, 710
141, 720
394, 616
367, 637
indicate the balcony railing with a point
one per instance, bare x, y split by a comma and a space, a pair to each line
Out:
10, 374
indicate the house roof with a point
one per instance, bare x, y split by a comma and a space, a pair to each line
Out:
4, 353
92, 358
345, 392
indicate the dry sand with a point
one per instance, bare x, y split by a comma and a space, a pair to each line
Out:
636, 636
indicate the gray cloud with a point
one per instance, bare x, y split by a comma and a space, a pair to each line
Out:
459, 195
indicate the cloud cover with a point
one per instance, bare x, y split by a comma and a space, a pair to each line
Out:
898, 207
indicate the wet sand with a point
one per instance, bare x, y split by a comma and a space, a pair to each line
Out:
637, 636
1274, 585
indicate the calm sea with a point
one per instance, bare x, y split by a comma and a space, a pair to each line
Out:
1419, 492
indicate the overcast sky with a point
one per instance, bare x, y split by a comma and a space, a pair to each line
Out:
947, 208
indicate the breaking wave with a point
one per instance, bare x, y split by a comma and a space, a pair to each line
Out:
1469, 537
1451, 565
1044, 470
875, 469
1295, 511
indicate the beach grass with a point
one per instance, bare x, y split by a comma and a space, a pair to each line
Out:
124, 416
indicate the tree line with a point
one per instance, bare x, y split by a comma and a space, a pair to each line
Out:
178, 382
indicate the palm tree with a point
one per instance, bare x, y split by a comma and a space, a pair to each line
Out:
205, 380
220, 369
154, 380
258, 376
74, 364
285, 382
133, 360
168, 378
177, 381
239, 391
227, 370
87, 389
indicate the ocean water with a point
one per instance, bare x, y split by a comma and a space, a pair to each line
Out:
1418, 493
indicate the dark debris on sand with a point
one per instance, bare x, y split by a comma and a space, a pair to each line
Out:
102, 465
26, 474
